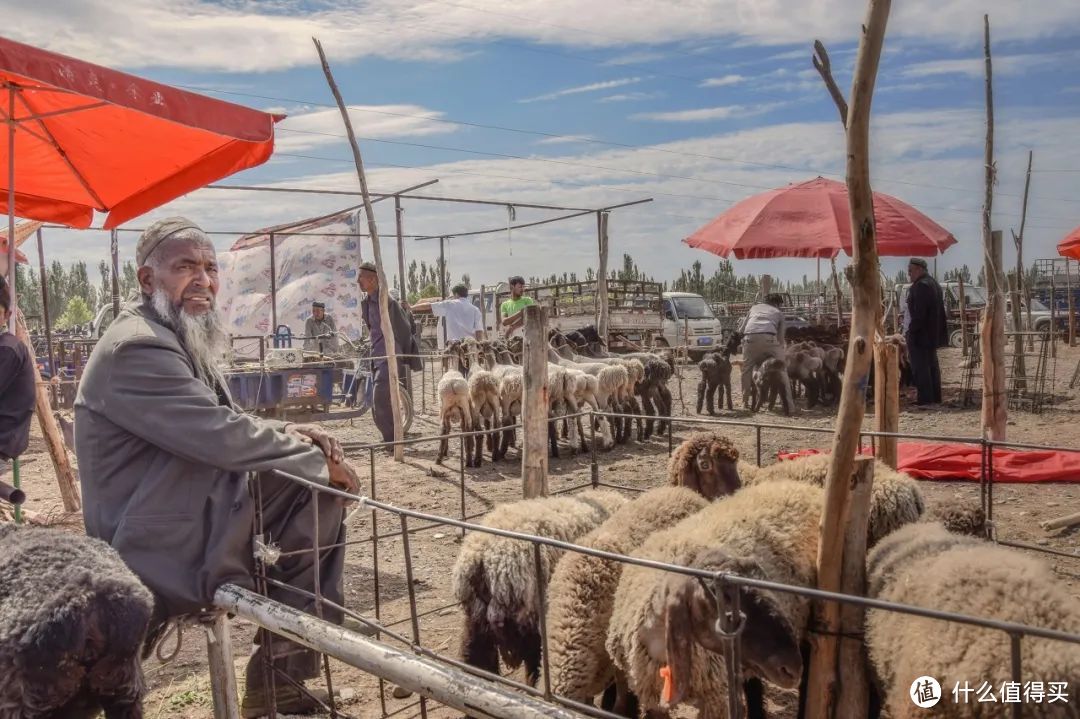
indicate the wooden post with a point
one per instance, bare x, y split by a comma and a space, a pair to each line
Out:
854, 699
45, 304
766, 286
114, 251
534, 408
222, 668
1019, 370
373, 231
839, 294
992, 336
273, 285
1053, 314
887, 399
1018, 240
54, 440
823, 686
1069, 304
399, 215
483, 310
601, 276
963, 316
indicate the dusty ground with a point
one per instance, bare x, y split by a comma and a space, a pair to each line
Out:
181, 688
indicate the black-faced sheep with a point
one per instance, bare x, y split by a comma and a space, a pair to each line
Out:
72, 618
582, 591
707, 462
771, 381
925, 566
895, 499
769, 531
715, 375
495, 579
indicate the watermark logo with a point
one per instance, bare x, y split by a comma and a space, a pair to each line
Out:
925, 692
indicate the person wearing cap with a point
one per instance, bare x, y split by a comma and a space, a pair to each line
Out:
320, 331
170, 466
927, 329
511, 310
458, 315
763, 337
404, 343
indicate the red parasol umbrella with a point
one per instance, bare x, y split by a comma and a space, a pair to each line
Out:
1070, 246
811, 219
81, 137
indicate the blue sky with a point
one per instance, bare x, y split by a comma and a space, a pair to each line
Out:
697, 104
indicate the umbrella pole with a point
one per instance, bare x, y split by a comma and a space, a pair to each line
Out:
11, 210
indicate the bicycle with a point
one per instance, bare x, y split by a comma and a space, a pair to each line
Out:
358, 388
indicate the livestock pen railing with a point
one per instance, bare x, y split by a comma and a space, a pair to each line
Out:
446, 679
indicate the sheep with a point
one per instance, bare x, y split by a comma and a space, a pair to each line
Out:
715, 375
495, 579
768, 531
706, 462
895, 499
770, 380
455, 404
654, 392
584, 387
582, 590
924, 565
486, 404
72, 619
495, 357
613, 380
805, 368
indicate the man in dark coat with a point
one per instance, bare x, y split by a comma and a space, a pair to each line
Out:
17, 387
927, 330
167, 462
404, 343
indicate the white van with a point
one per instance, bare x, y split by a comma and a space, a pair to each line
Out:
685, 311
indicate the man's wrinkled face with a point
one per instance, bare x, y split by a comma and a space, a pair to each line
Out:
187, 274
369, 281
318, 313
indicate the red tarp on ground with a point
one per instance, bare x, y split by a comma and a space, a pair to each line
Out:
963, 462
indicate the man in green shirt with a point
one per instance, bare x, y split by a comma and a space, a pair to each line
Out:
511, 310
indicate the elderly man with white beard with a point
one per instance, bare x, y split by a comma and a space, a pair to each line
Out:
170, 468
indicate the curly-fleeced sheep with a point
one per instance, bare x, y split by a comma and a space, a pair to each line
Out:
770, 380
484, 395
715, 375
768, 531
582, 591
895, 499
72, 618
495, 579
706, 462
925, 566
455, 404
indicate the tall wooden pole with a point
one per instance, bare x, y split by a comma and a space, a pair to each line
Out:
887, 399
534, 410
1069, 303
399, 222
114, 251
601, 276
373, 231
45, 302
11, 213
963, 317
273, 285
823, 685
1018, 240
854, 697
992, 337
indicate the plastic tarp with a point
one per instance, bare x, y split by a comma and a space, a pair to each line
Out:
964, 462
310, 267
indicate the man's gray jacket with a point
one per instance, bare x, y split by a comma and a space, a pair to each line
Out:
164, 463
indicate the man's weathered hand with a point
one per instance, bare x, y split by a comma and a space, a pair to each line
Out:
313, 434
343, 476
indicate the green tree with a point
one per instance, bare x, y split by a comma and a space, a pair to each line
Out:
76, 313
430, 290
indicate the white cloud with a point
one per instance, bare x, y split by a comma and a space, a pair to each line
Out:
248, 36
708, 113
565, 139
976, 67
321, 127
631, 97
635, 58
591, 87
724, 81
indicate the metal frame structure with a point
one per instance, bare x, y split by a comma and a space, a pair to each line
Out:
521, 701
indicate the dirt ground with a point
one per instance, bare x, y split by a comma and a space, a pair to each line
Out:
180, 688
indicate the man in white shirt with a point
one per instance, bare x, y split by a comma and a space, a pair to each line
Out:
763, 337
459, 316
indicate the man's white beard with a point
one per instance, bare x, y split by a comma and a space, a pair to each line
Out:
203, 336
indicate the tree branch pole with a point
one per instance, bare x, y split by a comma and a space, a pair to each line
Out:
854, 699
601, 276
1025, 291
373, 231
45, 303
823, 684
992, 337
114, 251
534, 407
399, 223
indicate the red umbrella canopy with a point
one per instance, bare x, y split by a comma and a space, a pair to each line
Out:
1070, 246
811, 219
90, 138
